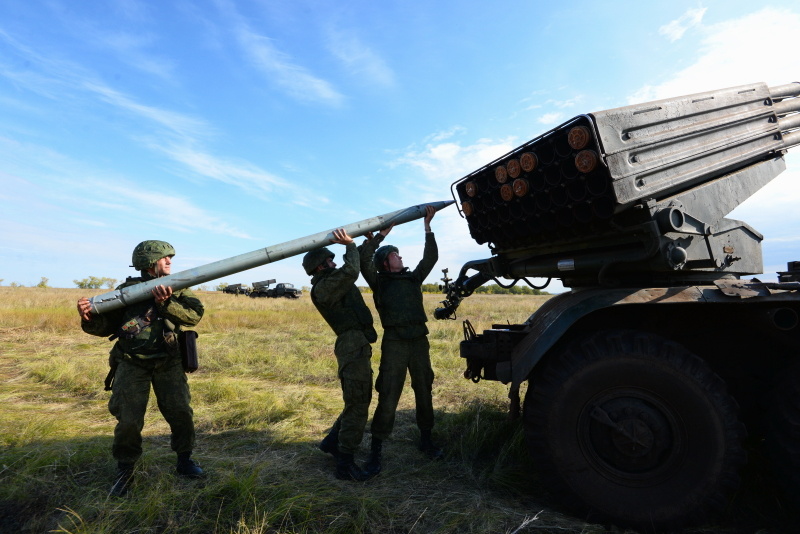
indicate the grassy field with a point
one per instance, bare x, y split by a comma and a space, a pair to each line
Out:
264, 396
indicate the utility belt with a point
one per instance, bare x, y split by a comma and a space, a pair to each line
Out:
173, 343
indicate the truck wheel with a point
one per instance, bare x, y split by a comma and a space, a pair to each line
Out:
635, 428
783, 436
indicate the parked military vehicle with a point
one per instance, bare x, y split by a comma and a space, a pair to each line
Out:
645, 378
283, 289
236, 289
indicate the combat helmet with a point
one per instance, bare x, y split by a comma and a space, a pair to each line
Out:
147, 253
381, 254
315, 258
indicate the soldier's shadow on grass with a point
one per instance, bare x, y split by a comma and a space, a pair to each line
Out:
485, 456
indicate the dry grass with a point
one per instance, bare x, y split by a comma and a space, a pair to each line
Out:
264, 396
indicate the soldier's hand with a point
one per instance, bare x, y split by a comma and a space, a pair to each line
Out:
85, 309
429, 213
385, 231
161, 293
340, 236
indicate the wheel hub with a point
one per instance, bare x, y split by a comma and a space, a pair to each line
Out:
630, 434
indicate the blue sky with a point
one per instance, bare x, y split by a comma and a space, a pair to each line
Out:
225, 126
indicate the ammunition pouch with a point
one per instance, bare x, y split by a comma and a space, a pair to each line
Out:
187, 341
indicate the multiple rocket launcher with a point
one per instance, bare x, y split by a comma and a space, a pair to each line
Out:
572, 180
640, 191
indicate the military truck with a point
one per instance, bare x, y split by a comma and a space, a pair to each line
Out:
645, 378
283, 289
236, 289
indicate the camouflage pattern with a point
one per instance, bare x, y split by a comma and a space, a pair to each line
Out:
399, 356
129, 398
335, 295
405, 347
148, 357
147, 253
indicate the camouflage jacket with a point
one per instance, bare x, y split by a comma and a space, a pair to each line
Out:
398, 296
335, 295
146, 329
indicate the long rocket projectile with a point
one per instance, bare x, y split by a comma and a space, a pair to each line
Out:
136, 293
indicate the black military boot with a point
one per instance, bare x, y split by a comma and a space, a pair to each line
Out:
330, 443
426, 445
373, 465
347, 469
186, 467
122, 480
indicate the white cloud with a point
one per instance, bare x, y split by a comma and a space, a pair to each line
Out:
359, 59
244, 175
277, 67
733, 53
447, 161
551, 118
675, 29
178, 123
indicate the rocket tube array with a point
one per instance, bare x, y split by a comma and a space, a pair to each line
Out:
552, 186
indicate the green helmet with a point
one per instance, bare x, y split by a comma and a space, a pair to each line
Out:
315, 258
381, 254
147, 253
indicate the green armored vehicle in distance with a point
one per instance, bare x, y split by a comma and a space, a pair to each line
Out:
236, 289
284, 289
644, 379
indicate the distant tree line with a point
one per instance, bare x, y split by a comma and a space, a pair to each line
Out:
42, 283
492, 289
94, 282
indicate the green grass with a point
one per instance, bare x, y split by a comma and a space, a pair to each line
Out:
264, 396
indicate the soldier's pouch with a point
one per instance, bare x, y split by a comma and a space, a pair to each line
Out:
356, 384
356, 377
187, 341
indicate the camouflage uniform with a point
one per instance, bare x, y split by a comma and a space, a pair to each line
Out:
405, 346
340, 303
150, 357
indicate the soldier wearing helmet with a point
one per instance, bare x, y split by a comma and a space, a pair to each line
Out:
146, 354
404, 348
335, 295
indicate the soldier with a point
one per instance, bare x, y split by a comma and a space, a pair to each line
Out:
146, 353
335, 295
405, 347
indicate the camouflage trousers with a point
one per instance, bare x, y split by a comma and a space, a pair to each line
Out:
130, 395
355, 374
399, 356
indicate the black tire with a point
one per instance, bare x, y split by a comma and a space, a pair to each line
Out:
633, 428
783, 436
